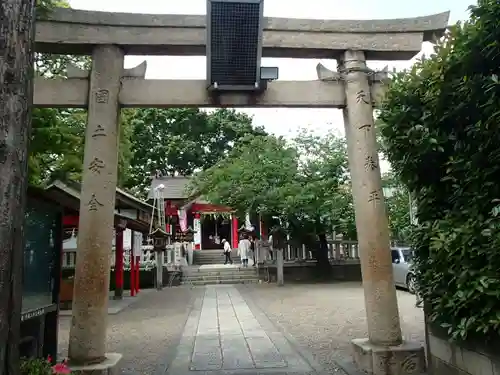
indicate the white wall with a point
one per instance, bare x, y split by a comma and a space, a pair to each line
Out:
71, 243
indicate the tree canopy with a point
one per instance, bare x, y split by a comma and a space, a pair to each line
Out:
441, 125
180, 141
303, 182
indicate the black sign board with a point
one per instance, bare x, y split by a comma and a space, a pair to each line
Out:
234, 44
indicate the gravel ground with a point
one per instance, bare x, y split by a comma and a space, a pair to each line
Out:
324, 318
147, 332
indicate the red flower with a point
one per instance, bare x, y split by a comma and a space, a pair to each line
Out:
49, 359
61, 369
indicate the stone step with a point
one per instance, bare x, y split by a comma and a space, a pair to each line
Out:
201, 262
219, 277
219, 270
214, 256
222, 281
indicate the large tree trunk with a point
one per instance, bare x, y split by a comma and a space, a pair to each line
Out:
16, 95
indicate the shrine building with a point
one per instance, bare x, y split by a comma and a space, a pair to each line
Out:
212, 222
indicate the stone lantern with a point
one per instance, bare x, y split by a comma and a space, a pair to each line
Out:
189, 234
180, 237
160, 241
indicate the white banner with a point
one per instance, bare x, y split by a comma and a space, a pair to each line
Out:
197, 231
183, 223
137, 246
248, 223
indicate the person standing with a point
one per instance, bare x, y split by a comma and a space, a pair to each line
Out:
253, 247
227, 252
270, 242
244, 249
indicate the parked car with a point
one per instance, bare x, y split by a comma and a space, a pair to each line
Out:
402, 268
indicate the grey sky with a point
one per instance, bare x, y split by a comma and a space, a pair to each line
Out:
281, 121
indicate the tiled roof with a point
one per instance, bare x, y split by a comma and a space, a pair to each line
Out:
174, 187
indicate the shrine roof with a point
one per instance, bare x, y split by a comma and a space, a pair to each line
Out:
123, 199
175, 187
68, 195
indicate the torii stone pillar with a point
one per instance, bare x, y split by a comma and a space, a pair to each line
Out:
383, 352
87, 343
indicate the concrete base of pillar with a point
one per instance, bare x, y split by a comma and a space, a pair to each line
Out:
108, 367
405, 359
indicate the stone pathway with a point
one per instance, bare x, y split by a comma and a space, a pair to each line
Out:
224, 336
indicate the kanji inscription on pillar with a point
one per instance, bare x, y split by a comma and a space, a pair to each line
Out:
374, 196
99, 132
363, 97
96, 165
102, 96
371, 163
94, 204
366, 128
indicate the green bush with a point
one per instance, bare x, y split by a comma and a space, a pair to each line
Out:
440, 126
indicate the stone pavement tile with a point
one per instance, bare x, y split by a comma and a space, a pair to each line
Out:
235, 352
230, 328
230, 340
264, 353
297, 360
254, 333
207, 354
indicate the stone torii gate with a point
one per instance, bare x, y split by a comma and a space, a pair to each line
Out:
107, 87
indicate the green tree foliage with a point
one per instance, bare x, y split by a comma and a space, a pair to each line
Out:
323, 196
397, 201
304, 183
180, 141
441, 126
58, 135
253, 177
56, 144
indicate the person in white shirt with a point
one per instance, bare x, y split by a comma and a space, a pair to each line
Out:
227, 252
270, 242
244, 249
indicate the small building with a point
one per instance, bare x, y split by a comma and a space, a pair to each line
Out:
131, 214
41, 275
211, 222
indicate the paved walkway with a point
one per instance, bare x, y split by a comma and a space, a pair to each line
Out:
223, 335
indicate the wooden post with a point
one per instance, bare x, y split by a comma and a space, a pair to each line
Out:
16, 95
132, 270
118, 264
159, 269
234, 231
138, 274
279, 267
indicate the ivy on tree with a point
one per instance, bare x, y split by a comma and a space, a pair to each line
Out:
440, 126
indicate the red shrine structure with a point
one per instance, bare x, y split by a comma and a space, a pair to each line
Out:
212, 222
130, 213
